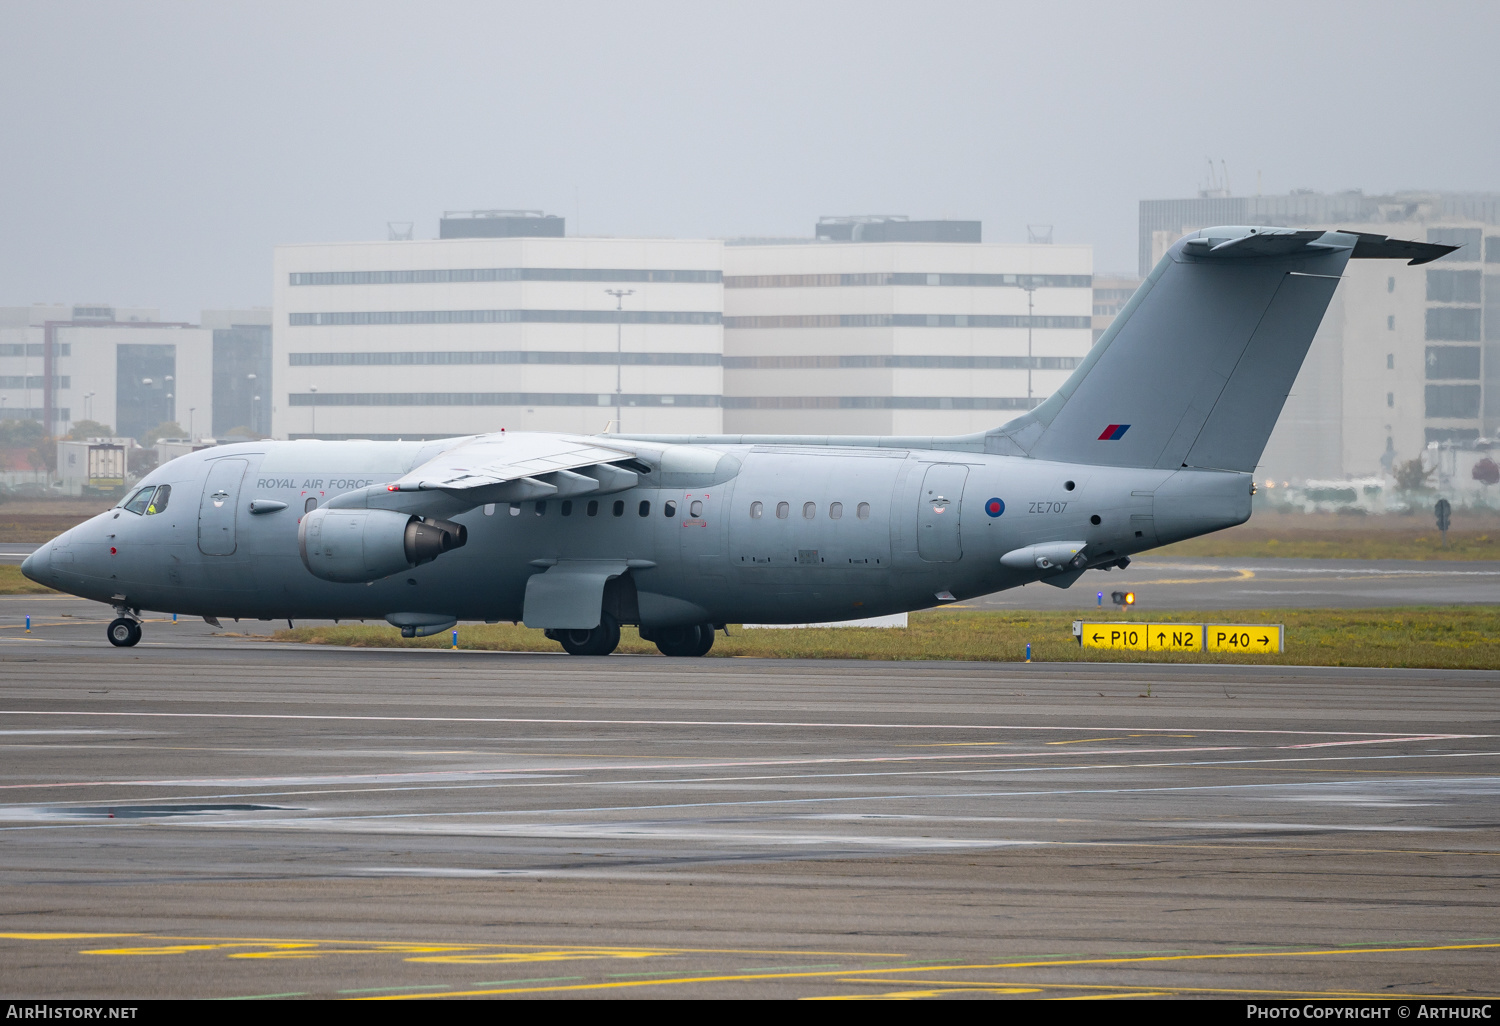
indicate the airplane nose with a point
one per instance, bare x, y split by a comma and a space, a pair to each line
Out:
38, 563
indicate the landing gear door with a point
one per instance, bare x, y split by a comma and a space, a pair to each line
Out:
218, 507
938, 512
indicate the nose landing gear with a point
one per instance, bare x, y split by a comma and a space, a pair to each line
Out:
123, 632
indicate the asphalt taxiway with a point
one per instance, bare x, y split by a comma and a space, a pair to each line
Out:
211, 816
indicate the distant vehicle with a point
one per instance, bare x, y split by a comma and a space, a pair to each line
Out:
1151, 440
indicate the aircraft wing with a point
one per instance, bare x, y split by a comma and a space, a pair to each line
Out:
503, 467
497, 459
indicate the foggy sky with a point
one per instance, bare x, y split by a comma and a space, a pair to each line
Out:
154, 153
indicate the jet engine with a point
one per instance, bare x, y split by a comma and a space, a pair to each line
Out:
352, 546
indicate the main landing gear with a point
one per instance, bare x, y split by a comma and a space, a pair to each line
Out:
692, 640
123, 631
600, 641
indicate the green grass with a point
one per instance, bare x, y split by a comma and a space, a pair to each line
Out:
12, 583
1452, 637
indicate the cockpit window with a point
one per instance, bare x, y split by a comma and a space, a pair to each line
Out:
158, 501
140, 500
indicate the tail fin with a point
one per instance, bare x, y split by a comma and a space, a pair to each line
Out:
1194, 371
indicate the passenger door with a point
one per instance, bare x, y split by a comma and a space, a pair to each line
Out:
218, 507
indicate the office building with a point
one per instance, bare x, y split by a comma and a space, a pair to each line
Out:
880, 325
122, 367
496, 326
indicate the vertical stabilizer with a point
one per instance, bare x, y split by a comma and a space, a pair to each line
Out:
1195, 370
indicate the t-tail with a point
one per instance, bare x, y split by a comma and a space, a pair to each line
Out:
1196, 368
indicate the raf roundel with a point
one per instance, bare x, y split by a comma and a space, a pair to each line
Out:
994, 507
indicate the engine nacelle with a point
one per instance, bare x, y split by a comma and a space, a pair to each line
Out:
352, 546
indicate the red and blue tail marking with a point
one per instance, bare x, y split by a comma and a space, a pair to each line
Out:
1114, 432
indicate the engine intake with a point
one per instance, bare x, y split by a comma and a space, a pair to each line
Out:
351, 546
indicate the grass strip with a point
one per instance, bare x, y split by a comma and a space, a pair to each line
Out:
1446, 637
13, 583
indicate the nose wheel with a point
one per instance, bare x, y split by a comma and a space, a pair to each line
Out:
123, 632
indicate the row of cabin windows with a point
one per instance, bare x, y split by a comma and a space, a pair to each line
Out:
668, 509
809, 510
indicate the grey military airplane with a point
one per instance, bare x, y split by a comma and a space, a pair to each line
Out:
1152, 439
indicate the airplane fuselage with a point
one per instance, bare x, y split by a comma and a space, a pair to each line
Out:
711, 534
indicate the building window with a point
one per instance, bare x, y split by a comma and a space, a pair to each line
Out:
1390, 284
1014, 281
1453, 362
1452, 401
1390, 361
1390, 323
1492, 249
918, 362
1467, 238
1453, 323
1390, 398
482, 274
903, 321
501, 356
756, 509
492, 399
783, 510
1453, 286
876, 402
363, 317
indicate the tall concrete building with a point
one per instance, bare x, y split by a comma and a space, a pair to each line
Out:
121, 367
1406, 357
503, 323
881, 325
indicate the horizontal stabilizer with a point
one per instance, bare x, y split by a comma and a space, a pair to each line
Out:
1379, 247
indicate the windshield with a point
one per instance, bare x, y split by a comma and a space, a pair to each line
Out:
159, 500
139, 501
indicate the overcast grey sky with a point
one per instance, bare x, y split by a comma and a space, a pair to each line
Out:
155, 152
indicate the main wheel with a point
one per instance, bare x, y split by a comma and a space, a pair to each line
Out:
600, 641
680, 641
123, 632
705, 639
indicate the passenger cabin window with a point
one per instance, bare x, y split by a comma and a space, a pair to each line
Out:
515, 509
809, 510
619, 508
159, 501
310, 505
835, 510
541, 508
696, 509
669, 509
139, 500
593, 508
645, 508
783, 509
567, 508
863, 511
756, 509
